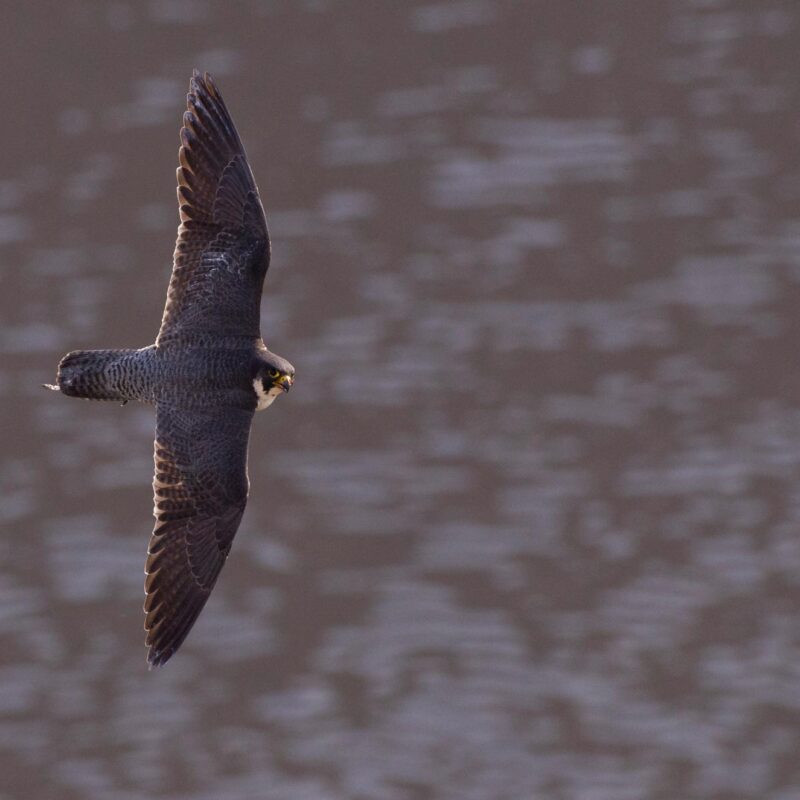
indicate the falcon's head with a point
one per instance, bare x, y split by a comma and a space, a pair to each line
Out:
274, 376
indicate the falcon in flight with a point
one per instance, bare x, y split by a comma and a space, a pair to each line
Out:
206, 374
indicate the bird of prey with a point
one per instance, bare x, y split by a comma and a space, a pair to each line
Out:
207, 373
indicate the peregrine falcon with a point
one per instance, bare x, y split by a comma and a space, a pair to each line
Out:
206, 374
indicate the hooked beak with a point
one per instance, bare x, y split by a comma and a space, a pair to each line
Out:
285, 382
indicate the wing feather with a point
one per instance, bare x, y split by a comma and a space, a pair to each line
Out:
222, 250
200, 489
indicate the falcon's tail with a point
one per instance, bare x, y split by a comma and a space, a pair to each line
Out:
93, 374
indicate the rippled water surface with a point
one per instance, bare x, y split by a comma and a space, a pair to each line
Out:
528, 526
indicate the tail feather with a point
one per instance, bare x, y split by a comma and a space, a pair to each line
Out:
89, 374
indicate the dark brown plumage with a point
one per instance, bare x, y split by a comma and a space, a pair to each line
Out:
200, 484
222, 224
207, 373
200, 489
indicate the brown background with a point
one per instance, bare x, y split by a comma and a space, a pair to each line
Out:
528, 525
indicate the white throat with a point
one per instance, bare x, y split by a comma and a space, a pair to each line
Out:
265, 399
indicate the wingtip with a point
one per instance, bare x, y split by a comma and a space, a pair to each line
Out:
202, 82
196, 85
211, 84
156, 658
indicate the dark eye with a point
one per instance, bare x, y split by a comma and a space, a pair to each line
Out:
273, 373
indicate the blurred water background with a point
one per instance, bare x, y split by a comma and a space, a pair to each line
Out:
528, 526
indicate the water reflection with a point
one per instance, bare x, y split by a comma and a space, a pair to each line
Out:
527, 527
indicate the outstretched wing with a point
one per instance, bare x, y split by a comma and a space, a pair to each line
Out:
200, 489
222, 251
